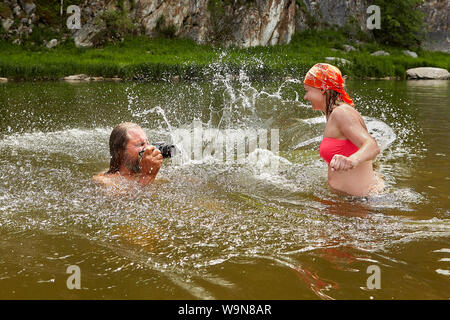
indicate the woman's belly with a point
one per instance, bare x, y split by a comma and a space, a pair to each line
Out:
360, 181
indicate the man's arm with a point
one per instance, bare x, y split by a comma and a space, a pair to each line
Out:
150, 165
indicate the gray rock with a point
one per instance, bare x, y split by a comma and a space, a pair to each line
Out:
16, 10
410, 53
428, 73
3, 80
83, 37
77, 77
28, 6
115, 78
380, 53
52, 43
87, 11
337, 60
7, 23
349, 48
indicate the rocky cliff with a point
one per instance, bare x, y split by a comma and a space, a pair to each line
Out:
242, 23
437, 18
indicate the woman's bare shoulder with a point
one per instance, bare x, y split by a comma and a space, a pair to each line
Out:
345, 112
345, 108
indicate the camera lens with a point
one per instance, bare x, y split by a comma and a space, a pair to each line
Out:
167, 150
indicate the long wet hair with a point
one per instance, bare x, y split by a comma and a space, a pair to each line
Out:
331, 99
117, 144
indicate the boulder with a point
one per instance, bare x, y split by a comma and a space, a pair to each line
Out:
83, 37
380, 53
34, 18
337, 60
349, 48
16, 11
410, 53
51, 44
28, 6
115, 78
427, 73
77, 77
7, 23
3, 80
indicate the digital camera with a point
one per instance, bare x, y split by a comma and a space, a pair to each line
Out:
167, 150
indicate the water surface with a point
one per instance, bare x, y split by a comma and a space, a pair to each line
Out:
214, 230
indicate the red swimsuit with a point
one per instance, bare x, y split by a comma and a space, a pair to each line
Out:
331, 146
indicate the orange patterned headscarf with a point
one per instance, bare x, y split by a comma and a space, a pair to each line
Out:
325, 76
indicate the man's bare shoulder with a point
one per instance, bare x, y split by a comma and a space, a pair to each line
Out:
106, 179
116, 180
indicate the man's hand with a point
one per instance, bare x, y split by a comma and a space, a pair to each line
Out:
340, 162
151, 162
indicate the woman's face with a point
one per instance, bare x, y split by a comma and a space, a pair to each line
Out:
316, 97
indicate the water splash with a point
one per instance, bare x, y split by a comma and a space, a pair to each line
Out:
205, 214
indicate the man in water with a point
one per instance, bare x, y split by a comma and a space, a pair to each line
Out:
127, 140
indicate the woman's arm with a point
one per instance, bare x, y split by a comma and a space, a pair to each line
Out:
352, 129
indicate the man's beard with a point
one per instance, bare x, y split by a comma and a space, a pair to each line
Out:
133, 165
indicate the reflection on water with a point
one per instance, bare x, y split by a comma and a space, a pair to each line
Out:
214, 230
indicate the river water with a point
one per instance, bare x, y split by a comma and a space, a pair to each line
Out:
211, 229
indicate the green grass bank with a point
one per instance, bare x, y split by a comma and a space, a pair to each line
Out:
141, 58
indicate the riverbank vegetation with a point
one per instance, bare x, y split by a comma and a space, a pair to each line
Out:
141, 58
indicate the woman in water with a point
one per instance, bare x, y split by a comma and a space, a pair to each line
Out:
347, 146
